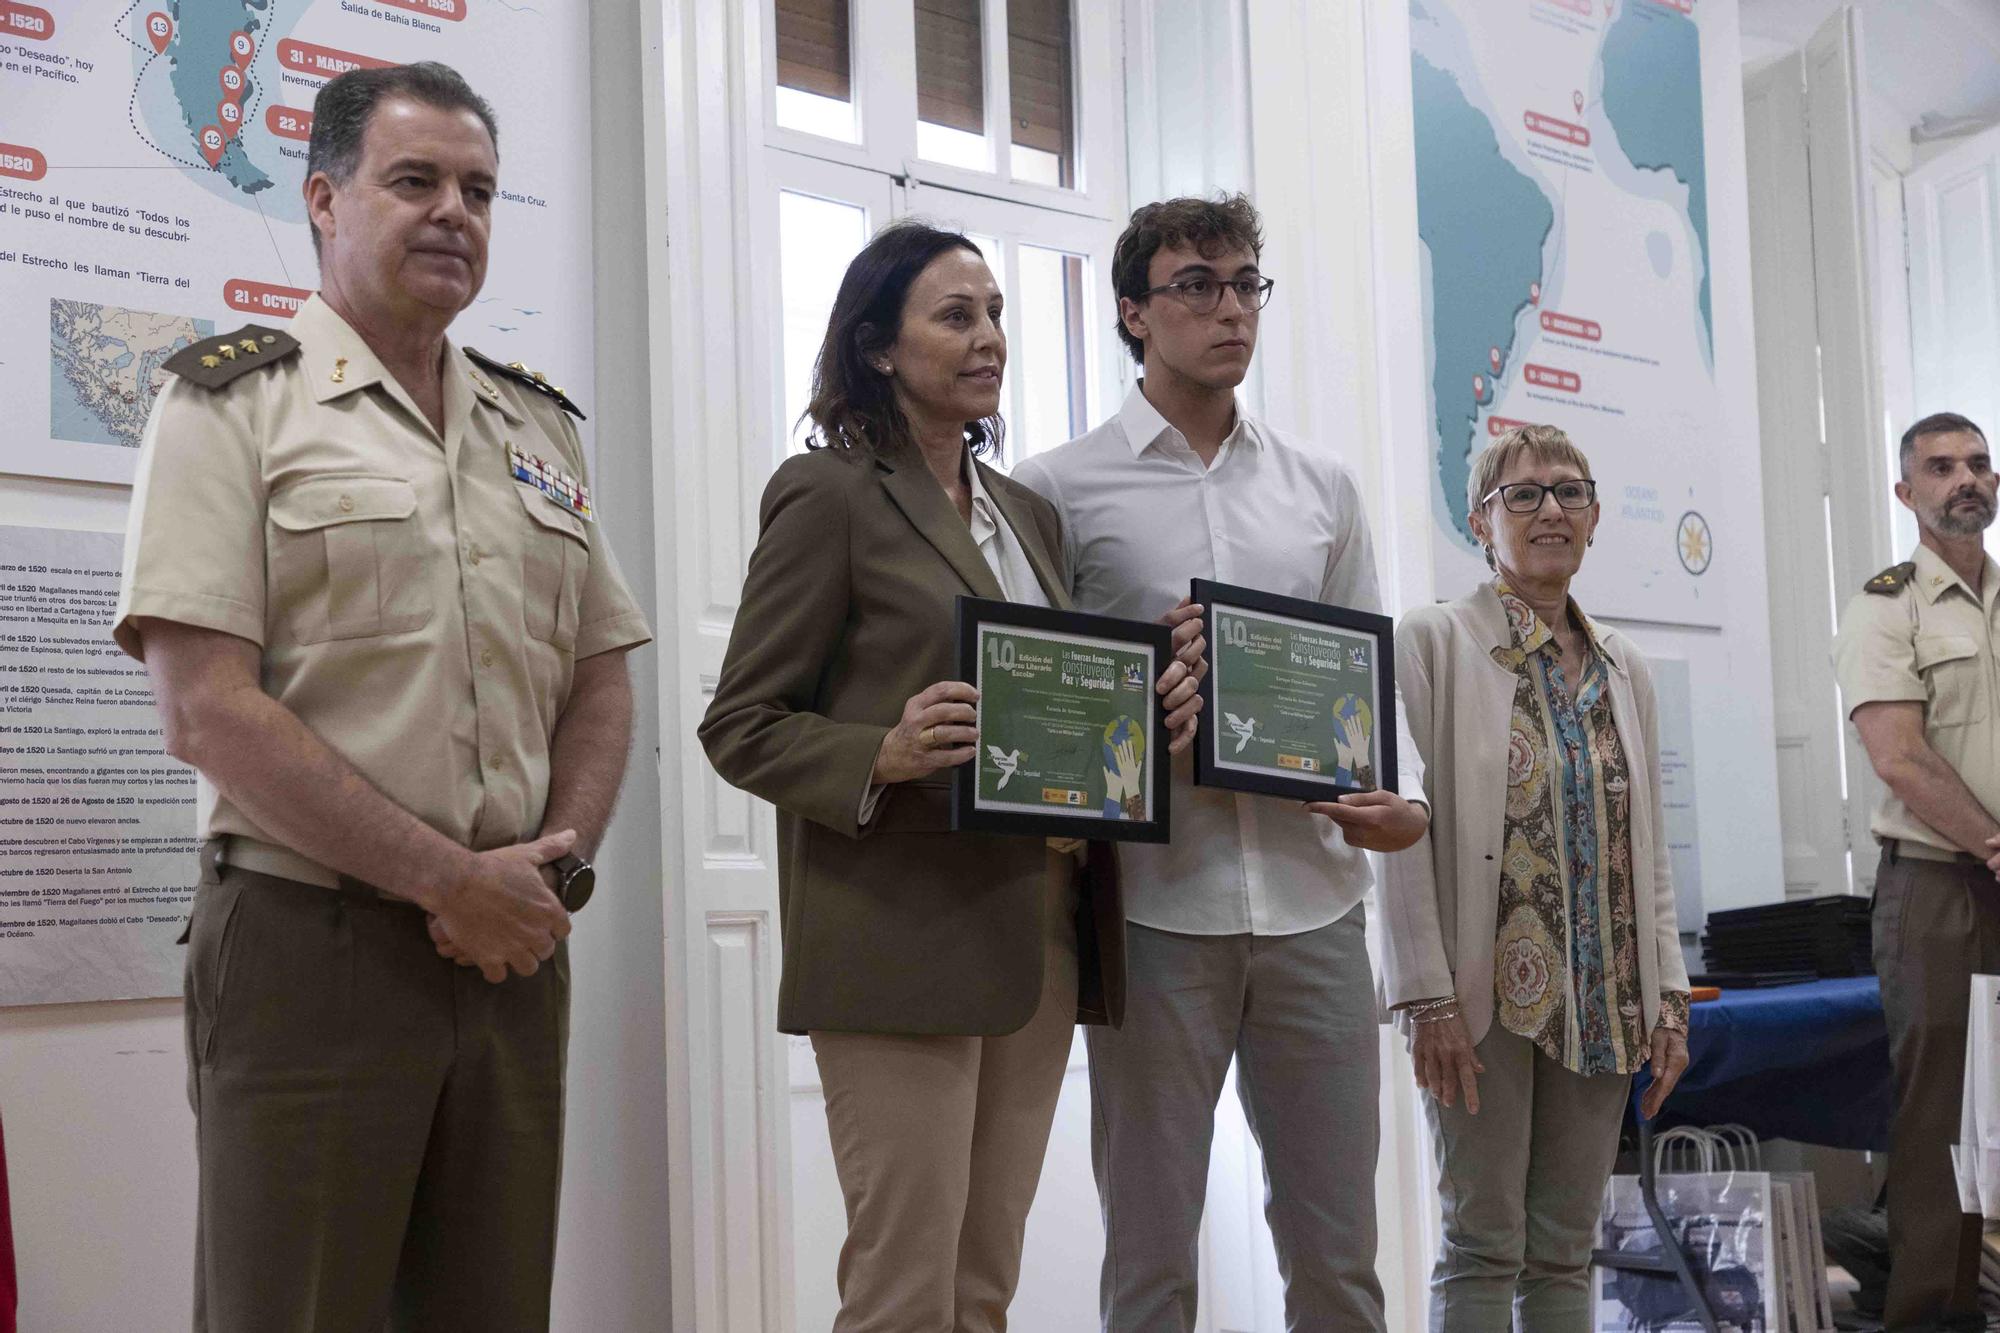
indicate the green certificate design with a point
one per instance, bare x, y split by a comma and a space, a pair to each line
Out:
1065, 725
1300, 696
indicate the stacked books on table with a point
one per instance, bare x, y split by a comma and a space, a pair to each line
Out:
1788, 942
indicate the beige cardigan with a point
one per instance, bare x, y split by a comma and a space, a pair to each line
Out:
1441, 897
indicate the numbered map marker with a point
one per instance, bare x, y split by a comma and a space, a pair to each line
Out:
231, 79
1535, 293
159, 30
211, 142
241, 48
228, 118
1493, 356
1576, 100
1479, 386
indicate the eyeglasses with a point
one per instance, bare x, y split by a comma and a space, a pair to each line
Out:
1201, 295
1525, 497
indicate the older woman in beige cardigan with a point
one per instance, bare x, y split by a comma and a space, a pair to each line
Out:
1533, 953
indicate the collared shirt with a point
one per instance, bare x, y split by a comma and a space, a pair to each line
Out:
416, 606
997, 541
1566, 959
1141, 517
1931, 642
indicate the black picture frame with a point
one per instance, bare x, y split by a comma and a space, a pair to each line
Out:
1212, 767
972, 614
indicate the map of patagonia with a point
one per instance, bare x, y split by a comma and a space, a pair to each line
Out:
105, 368
1562, 207
151, 189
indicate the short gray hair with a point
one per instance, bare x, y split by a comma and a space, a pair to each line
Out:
345, 105
1545, 444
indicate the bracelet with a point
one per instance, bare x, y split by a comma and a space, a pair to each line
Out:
1427, 1006
1440, 1017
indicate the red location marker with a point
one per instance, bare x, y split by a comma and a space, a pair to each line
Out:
241, 48
211, 142
1493, 355
1576, 100
159, 30
1478, 386
1535, 293
231, 79
228, 118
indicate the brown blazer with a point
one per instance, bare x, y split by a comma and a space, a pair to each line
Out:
847, 611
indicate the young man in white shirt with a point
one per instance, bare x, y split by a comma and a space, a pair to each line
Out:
1246, 932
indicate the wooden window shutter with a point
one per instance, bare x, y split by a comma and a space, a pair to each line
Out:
813, 48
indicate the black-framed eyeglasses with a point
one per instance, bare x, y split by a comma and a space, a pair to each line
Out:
1202, 294
1525, 497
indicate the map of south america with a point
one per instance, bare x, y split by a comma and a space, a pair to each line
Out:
1562, 215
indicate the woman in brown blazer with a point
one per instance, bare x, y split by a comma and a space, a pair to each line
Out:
939, 974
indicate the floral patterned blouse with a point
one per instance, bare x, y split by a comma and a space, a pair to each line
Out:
1566, 963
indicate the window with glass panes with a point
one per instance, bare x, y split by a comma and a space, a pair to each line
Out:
968, 113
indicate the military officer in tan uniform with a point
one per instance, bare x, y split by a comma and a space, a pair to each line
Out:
1918, 671
368, 580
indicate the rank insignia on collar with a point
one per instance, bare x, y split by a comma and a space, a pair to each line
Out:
551, 481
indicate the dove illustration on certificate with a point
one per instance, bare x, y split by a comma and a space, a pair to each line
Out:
1007, 761
1245, 731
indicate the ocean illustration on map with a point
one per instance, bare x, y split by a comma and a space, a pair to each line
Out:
1521, 170
104, 368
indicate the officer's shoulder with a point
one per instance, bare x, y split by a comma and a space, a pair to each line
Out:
535, 380
214, 363
1892, 581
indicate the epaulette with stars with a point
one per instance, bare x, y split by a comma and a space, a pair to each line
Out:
534, 379
1891, 580
214, 362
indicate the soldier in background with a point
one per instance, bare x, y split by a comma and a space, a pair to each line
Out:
1916, 662
384, 626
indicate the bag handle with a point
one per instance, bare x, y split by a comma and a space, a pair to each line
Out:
1746, 1139
1681, 1146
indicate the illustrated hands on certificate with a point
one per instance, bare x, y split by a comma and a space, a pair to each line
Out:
1350, 743
1123, 782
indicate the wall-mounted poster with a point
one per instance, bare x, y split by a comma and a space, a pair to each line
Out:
150, 173
97, 848
1562, 209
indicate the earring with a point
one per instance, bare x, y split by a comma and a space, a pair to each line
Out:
1591, 540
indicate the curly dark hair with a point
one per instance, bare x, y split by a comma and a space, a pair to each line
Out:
853, 405
1211, 227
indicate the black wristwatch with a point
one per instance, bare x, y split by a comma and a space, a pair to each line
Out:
576, 880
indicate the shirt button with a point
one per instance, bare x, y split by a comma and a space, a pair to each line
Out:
486, 657
346, 504
496, 762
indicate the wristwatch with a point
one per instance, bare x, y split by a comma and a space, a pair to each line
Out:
576, 879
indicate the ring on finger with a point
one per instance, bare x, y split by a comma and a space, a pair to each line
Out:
928, 737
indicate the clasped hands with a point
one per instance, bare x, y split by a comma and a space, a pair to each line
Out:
501, 913
938, 729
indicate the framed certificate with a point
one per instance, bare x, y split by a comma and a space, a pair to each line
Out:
1299, 699
1072, 738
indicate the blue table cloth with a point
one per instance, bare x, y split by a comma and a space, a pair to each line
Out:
1807, 1062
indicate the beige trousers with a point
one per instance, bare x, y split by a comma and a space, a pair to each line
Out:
938, 1142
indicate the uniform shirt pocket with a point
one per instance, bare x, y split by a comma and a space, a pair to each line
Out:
347, 557
1954, 677
555, 555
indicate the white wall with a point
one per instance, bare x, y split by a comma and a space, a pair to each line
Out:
100, 1141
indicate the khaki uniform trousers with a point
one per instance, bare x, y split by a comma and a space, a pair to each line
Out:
1936, 923
379, 1130
938, 1142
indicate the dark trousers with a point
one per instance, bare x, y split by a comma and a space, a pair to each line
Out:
379, 1131
1936, 923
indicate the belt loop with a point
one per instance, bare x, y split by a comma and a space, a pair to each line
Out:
211, 859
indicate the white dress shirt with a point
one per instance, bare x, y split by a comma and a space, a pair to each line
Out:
1141, 517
